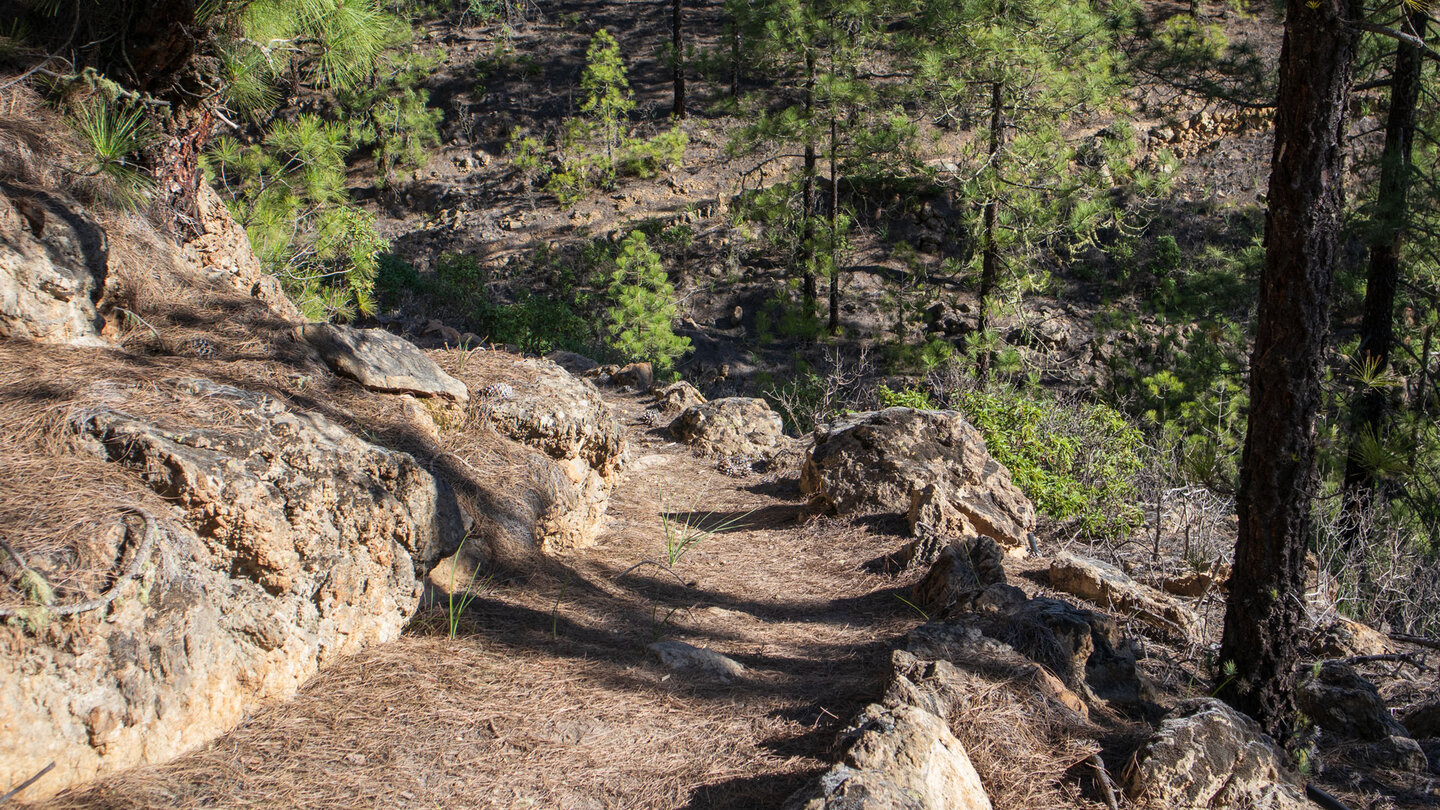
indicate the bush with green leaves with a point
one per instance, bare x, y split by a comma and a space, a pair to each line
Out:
638, 322
1078, 462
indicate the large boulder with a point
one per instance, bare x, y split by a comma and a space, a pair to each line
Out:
1207, 756
290, 542
1113, 589
545, 408
381, 361
733, 426
53, 265
930, 465
1349, 707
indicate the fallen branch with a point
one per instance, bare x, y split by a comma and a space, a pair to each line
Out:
152, 530
27, 783
1107, 787
1324, 799
1419, 641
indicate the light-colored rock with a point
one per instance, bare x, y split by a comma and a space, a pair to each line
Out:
733, 426
639, 376
1195, 584
678, 396
53, 265
684, 657
1112, 589
291, 542
381, 361
565, 419
1207, 756
943, 643
877, 460
1346, 638
899, 758
222, 253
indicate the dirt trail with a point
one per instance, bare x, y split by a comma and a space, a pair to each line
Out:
547, 697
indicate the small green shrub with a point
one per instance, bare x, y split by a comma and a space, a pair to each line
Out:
906, 398
1076, 462
643, 306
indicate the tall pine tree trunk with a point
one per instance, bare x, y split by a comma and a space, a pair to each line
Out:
990, 256
807, 233
1265, 611
677, 41
834, 212
1377, 329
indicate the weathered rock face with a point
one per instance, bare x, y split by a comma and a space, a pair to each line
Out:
53, 266
1111, 588
900, 757
930, 465
564, 418
381, 361
1344, 638
1207, 756
1423, 721
1350, 707
734, 426
222, 253
294, 542
962, 572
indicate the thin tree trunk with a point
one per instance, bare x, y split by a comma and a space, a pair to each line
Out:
1263, 616
807, 235
734, 59
677, 40
990, 256
1377, 327
834, 324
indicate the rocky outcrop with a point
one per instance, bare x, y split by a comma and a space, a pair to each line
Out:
899, 755
1111, 588
223, 254
584, 447
1207, 756
291, 542
929, 465
54, 262
733, 426
381, 361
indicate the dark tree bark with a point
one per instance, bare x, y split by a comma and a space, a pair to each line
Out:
677, 41
1277, 479
1377, 329
990, 257
807, 233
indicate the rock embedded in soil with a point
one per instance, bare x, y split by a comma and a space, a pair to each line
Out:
963, 570
879, 460
900, 757
1207, 756
639, 376
1112, 589
682, 657
733, 426
222, 253
1345, 705
381, 361
292, 542
678, 396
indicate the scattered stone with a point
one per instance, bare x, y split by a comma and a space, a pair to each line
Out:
735, 466
1346, 638
574, 363
1196, 584
1111, 588
381, 361
733, 426
1423, 721
945, 642
899, 758
1207, 756
678, 396
879, 459
639, 376
962, 571
678, 655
